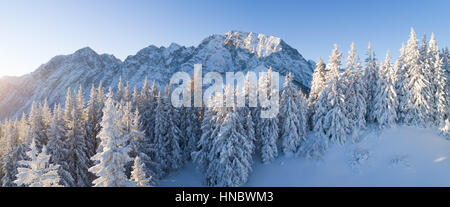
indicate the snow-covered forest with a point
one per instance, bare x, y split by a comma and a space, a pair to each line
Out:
136, 137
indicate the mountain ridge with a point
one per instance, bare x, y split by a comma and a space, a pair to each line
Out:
233, 51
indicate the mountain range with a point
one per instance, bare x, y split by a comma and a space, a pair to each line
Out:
231, 52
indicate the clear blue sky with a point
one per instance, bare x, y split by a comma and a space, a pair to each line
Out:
33, 31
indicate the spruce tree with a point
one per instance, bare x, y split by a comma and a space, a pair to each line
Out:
12, 153
329, 119
77, 158
111, 161
401, 83
267, 128
318, 83
231, 154
354, 93
290, 122
138, 175
370, 80
385, 105
436, 76
58, 148
37, 172
38, 127
418, 87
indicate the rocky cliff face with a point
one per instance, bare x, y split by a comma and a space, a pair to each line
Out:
234, 51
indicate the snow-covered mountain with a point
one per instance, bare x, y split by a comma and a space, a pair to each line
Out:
234, 51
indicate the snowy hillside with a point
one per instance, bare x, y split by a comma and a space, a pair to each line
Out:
402, 156
234, 51
344, 133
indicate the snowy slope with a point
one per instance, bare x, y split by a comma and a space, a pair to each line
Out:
233, 51
402, 156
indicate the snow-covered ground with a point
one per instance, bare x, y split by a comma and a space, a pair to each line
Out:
401, 156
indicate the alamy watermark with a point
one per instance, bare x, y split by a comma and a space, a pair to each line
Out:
237, 89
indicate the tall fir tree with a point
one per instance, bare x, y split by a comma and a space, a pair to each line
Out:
291, 126
231, 152
418, 87
445, 55
138, 175
111, 161
385, 105
370, 80
167, 137
93, 115
354, 93
37, 126
436, 76
401, 83
37, 172
329, 119
77, 158
318, 83
208, 126
267, 129
13, 152
58, 148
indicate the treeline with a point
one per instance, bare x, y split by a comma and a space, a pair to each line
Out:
135, 137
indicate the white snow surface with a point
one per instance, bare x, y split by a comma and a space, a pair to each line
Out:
400, 156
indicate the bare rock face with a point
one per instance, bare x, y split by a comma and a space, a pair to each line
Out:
232, 52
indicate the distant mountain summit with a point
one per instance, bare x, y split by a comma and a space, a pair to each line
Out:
234, 51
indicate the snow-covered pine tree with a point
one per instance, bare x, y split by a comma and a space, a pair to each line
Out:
436, 76
13, 152
130, 128
401, 83
302, 104
244, 116
126, 96
318, 83
370, 80
190, 126
58, 148
208, 126
8, 166
111, 161
267, 129
93, 114
136, 98
37, 172
251, 108
312, 147
231, 154
329, 119
427, 67
167, 136
354, 93
38, 127
423, 50
119, 93
290, 124
445, 129
46, 115
143, 148
445, 55
77, 158
160, 134
175, 136
138, 175
147, 106
418, 87
385, 105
